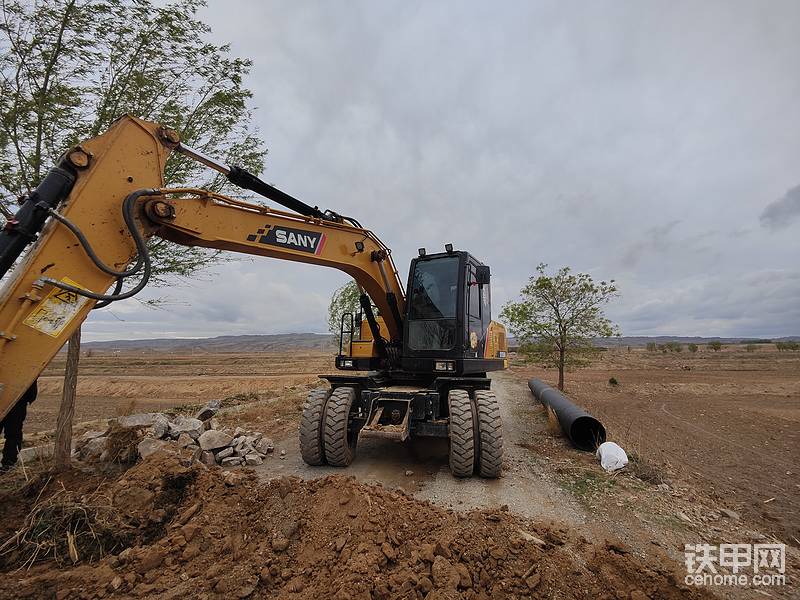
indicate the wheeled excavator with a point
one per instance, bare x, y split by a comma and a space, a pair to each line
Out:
412, 361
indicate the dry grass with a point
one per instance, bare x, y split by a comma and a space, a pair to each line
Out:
553, 426
121, 444
644, 470
128, 408
66, 527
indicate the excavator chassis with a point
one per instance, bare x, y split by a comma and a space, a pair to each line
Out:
462, 409
401, 409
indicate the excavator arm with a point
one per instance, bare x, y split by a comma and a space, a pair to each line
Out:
107, 197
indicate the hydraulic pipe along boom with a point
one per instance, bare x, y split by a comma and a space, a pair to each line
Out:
246, 180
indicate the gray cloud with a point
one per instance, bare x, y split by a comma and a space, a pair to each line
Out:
780, 213
629, 140
656, 239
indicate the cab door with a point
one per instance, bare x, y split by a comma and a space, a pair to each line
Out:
476, 322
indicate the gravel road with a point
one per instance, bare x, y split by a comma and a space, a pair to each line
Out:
527, 486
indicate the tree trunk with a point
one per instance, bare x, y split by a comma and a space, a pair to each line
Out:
561, 360
63, 442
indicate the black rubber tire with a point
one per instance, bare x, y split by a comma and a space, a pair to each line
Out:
490, 427
311, 446
340, 442
462, 439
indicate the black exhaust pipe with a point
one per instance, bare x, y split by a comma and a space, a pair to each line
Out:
583, 430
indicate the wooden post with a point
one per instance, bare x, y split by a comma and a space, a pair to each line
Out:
63, 441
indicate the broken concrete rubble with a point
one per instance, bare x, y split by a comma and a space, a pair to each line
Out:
193, 427
213, 439
150, 446
160, 428
225, 453
209, 410
253, 460
141, 420
197, 441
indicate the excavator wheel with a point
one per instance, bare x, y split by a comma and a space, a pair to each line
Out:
311, 446
462, 439
339, 440
490, 428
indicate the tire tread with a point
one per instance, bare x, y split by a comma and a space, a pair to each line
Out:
311, 446
490, 428
462, 442
339, 452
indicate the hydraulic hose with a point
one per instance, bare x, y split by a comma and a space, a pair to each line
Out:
117, 290
90, 251
141, 248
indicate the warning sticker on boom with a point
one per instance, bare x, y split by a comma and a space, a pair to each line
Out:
56, 311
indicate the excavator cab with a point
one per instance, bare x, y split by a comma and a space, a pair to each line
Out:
448, 326
448, 329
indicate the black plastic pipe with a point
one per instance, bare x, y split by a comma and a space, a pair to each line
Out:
583, 430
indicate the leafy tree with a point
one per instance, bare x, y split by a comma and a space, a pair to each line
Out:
558, 317
673, 347
69, 68
651, 347
692, 348
344, 300
716, 345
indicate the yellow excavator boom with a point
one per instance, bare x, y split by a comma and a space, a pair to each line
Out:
40, 306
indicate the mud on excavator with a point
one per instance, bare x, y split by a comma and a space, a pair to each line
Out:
419, 354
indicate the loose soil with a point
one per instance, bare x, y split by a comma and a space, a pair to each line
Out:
194, 532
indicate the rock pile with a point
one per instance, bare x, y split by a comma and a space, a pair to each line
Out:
200, 436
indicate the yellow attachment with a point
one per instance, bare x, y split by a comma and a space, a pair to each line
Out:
35, 320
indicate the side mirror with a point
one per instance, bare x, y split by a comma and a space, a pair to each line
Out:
482, 275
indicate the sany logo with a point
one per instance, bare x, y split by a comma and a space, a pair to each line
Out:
296, 239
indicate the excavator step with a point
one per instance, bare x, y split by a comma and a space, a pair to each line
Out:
383, 424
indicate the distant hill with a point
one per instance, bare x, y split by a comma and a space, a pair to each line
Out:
226, 343
681, 339
643, 340
318, 341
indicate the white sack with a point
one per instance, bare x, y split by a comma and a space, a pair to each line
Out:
612, 457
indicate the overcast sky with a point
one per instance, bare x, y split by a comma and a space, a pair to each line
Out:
656, 143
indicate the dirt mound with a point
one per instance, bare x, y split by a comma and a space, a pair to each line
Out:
197, 532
